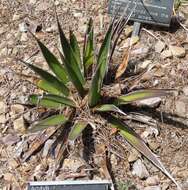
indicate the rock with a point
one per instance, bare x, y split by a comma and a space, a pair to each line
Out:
8, 177
32, 1
23, 27
43, 6
185, 90
133, 155
153, 180
10, 139
3, 118
166, 54
72, 164
24, 37
181, 106
151, 102
140, 51
140, 170
51, 28
113, 160
177, 51
159, 46
16, 109
144, 64
153, 145
130, 41
15, 17
13, 163
77, 14
2, 107
47, 147
19, 125
152, 188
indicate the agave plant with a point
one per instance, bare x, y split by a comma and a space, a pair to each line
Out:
71, 85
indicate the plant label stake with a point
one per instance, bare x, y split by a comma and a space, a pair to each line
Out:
71, 185
157, 12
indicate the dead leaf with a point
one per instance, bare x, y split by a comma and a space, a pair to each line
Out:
123, 66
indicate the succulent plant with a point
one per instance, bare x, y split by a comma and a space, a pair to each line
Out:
72, 85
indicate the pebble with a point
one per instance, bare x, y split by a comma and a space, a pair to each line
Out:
159, 46
140, 170
16, 17
51, 28
166, 54
16, 109
8, 177
24, 37
133, 155
10, 139
181, 106
177, 51
151, 102
144, 64
2, 107
19, 125
152, 188
153, 180
23, 27
185, 90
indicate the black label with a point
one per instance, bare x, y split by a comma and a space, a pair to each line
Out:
157, 12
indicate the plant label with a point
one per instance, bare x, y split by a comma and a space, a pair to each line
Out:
158, 12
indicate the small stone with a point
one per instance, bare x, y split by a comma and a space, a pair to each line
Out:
51, 28
10, 139
152, 188
185, 90
133, 155
2, 118
8, 177
181, 106
32, 1
77, 14
153, 145
140, 170
13, 163
43, 6
166, 54
19, 125
159, 46
113, 160
153, 180
177, 51
144, 64
2, 107
23, 27
24, 37
16, 109
15, 17
151, 102
72, 164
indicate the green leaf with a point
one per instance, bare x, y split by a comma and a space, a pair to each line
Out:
53, 63
88, 51
48, 122
75, 47
135, 140
97, 81
49, 78
108, 108
54, 98
69, 55
44, 102
77, 130
44, 85
141, 95
73, 77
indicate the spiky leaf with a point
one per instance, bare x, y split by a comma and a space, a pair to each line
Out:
77, 130
73, 77
57, 84
53, 63
135, 140
69, 56
88, 51
108, 108
48, 122
44, 85
75, 47
97, 81
44, 102
141, 95
54, 98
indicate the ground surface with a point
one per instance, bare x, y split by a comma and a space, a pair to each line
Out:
168, 139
